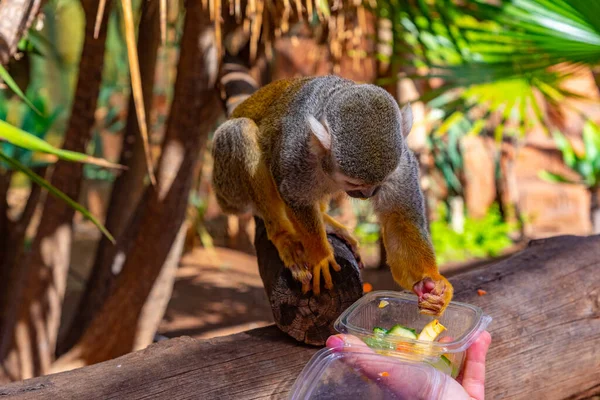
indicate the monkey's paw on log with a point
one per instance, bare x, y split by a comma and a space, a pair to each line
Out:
305, 317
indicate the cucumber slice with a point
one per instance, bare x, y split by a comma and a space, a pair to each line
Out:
379, 331
378, 344
402, 331
444, 365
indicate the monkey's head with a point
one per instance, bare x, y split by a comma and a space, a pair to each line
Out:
361, 134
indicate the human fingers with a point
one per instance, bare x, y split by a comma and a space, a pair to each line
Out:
473, 375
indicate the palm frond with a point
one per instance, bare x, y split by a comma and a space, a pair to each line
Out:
16, 165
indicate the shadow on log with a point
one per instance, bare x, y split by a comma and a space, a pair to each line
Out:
305, 317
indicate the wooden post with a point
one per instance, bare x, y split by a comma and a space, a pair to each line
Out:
305, 317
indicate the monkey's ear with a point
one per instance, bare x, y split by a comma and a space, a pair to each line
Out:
407, 119
320, 139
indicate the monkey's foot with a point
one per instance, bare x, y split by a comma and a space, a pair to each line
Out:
434, 296
322, 266
345, 236
291, 252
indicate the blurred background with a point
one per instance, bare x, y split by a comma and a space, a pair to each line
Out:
505, 99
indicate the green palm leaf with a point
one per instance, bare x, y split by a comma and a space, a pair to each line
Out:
31, 142
15, 88
55, 192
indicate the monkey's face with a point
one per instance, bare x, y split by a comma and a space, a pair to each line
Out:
356, 188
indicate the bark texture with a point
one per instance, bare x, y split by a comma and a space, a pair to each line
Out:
16, 16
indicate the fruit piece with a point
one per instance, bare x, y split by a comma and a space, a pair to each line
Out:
431, 331
378, 344
384, 374
383, 304
481, 292
444, 365
402, 331
379, 331
367, 287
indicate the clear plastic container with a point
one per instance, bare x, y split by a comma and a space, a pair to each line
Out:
333, 374
385, 309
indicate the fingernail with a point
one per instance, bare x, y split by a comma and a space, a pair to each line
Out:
335, 342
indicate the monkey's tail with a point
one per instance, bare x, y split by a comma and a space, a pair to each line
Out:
235, 82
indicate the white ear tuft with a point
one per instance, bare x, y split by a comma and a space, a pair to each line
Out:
407, 119
320, 132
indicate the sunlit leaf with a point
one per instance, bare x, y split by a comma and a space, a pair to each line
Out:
55, 192
31, 142
15, 88
566, 149
591, 141
136, 84
553, 178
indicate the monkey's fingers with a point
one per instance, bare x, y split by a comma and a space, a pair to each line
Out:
334, 264
305, 287
317, 279
300, 274
327, 277
431, 304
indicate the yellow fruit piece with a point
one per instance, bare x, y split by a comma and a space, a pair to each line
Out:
431, 331
383, 304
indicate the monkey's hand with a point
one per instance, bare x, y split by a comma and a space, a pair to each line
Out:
317, 268
291, 252
434, 295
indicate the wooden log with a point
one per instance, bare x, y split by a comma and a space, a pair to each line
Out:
545, 302
305, 317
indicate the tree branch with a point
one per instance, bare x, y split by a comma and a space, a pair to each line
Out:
16, 16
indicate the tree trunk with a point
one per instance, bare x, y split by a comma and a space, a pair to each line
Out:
595, 209
32, 336
195, 110
16, 16
12, 237
128, 188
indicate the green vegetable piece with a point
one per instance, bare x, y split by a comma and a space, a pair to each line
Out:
444, 365
379, 331
402, 331
378, 344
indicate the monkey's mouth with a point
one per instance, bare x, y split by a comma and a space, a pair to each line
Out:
363, 194
356, 194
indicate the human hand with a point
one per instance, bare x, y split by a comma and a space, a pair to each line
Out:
408, 381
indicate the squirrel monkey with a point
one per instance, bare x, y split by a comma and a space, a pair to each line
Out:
294, 143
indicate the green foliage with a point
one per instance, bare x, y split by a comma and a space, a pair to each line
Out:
367, 229
486, 237
19, 143
448, 158
586, 164
495, 59
367, 232
6, 78
29, 122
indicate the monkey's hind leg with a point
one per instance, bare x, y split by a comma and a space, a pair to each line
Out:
242, 182
334, 227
